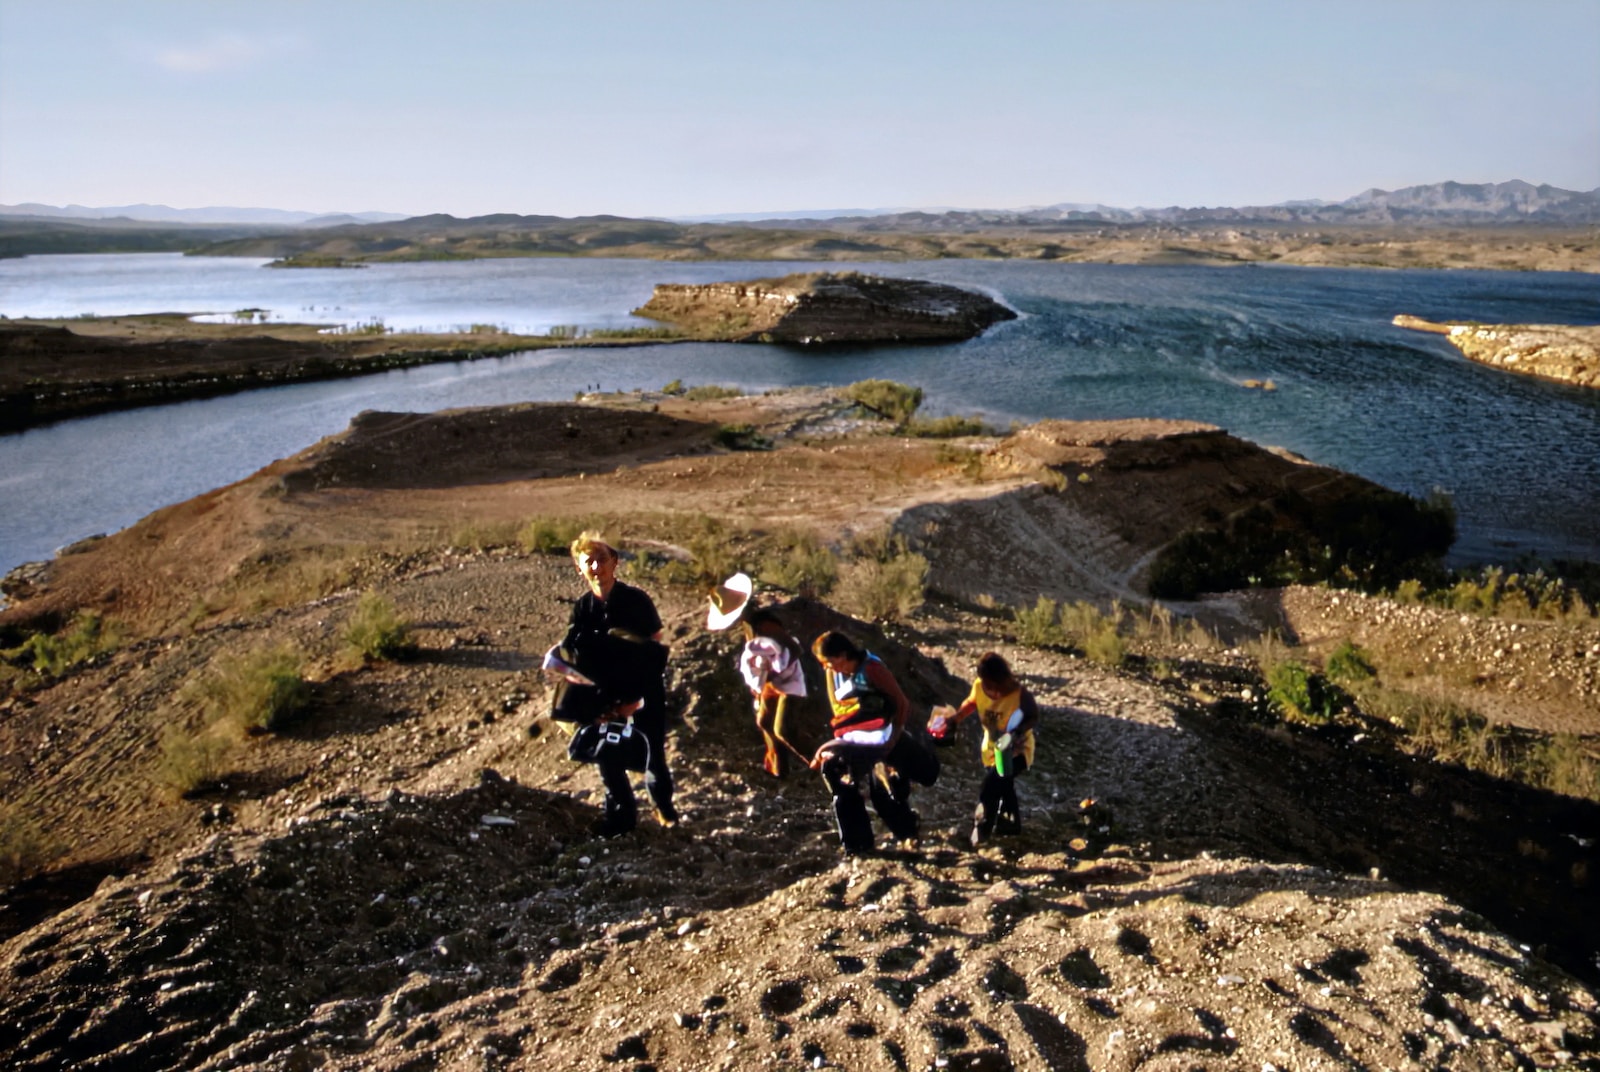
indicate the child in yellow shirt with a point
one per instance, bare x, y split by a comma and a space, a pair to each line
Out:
1008, 714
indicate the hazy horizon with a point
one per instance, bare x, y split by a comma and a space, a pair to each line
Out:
716, 108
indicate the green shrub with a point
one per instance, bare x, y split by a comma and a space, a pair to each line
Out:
258, 691
795, 560
885, 588
1106, 647
1561, 765
483, 535
24, 849
674, 388
1492, 592
1038, 625
714, 554
711, 392
892, 401
1158, 626
375, 630
1450, 733
1097, 633
193, 762
950, 427
549, 535
1348, 665
635, 333
87, 636
970, 462
1298, 693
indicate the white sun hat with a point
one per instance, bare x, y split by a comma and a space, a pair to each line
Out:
728, 601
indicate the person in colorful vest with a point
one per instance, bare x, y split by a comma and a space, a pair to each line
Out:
868, 724
1008, 714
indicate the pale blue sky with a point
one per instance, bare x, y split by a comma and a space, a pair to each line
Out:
685, 107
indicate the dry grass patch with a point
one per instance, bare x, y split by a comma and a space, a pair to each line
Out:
193, 762
25, 849
258, 691
375, 630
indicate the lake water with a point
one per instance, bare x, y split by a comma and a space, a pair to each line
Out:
1521, 457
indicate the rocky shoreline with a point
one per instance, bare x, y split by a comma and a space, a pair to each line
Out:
57, 370
1560, 352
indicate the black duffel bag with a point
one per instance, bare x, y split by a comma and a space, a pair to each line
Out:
610, 741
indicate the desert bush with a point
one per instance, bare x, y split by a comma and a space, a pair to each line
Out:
1561, 765
1106, 647
1490, 591
1293, 690
483, 535
635, 333
88, 635
883, 584
284, 578
1039, 626
375, 630
1054, 479
1298, 693
550, 535
795, 560
950, 427
892, 401
1450, 733
1348, 665
1408, 591
714, 552
970, 462
375, 326
25, 850
711, 392
258, 691
740, 437
191, 762
1158, 626
1096, 632
674, 388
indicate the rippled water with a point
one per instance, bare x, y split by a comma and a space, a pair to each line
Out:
1521, 457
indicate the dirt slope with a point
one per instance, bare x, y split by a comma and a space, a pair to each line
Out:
401, 879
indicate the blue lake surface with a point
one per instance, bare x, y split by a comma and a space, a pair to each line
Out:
1521, 457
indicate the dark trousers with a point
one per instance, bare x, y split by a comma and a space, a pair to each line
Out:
849, 768
586, 703
997, 797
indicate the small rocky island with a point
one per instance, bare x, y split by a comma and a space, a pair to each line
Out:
1566, 353
825, 307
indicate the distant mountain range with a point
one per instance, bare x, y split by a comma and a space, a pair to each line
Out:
1441, 202
166, 214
